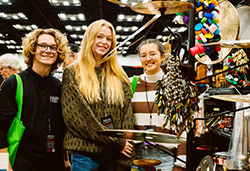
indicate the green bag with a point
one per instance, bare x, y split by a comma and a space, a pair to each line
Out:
16, 129
134, 85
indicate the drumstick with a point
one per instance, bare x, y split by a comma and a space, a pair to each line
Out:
243, 132
247, 140
107, 57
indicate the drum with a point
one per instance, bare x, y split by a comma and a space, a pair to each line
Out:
220, 159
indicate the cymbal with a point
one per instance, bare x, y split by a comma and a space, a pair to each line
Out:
139, 135
233, 98
228, 33
171, 6
147, 162
231, 44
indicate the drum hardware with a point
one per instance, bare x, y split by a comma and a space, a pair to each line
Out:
233, 98
230, 44
148, 137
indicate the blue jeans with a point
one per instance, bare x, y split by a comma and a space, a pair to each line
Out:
84, 162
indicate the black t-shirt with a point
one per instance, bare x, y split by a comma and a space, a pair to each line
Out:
41, 100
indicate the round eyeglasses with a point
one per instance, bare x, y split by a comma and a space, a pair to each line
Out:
43, 47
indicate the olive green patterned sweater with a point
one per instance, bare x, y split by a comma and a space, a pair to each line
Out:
83, 120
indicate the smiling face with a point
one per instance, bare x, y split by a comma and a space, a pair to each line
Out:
102, 42
45, 58
151, 58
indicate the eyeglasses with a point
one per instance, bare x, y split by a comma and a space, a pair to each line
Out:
151, 55
43, 47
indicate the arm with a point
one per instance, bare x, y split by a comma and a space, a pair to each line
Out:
8, 110
128, 120
78, 116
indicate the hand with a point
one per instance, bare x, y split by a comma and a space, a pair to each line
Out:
128, 148
67, 164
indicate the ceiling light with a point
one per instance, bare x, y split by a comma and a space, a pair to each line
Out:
25, 27
118, 28
72, 17
75, 28
5, 2
15, 16
65, 2
129, 18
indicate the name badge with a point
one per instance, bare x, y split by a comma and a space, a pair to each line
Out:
51, 143
108, 122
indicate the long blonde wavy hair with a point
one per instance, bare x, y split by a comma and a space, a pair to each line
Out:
29, 43
89, 84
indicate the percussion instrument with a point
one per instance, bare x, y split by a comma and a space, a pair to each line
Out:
153, 7
233, 98
147, 162
231, 44
229, 28
141, 135
169, 7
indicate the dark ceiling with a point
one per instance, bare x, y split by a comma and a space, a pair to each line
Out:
44, 15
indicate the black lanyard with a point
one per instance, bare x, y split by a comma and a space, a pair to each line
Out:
149, 108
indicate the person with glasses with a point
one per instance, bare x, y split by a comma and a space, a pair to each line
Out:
8, 65
151, 54
96, 97
40, 149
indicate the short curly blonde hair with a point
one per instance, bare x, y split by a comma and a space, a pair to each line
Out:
30, 41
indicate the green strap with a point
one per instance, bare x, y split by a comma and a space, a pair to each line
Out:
19, 95
134, 84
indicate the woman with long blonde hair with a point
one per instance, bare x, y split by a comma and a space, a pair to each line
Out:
96, 96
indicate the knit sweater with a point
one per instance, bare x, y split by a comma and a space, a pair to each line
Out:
83, 120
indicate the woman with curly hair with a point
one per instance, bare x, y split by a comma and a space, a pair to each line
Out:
95, 97
41, 145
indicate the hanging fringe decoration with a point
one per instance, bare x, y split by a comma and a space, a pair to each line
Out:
176, 98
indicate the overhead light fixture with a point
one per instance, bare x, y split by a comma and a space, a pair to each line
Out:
126, 29
7, 42
65, 2
5, 2
25, 27
78, 42
76, 28
72, 17
15, 16
130, 18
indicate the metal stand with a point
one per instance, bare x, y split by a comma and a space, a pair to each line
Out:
163, 149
